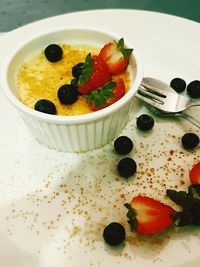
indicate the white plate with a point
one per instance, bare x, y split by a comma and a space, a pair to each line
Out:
54, 206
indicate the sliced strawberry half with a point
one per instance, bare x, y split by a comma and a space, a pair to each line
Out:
106, 95
116, 56
149, 216
195, 174
95, 74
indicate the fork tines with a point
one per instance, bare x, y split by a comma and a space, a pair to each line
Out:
153, 89
150, 96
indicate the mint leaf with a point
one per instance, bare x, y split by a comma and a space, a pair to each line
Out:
100, 95
88, 68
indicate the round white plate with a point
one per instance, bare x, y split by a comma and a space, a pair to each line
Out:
54, 206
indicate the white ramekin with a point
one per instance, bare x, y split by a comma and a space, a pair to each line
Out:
70, 133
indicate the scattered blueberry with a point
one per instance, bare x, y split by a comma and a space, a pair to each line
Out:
114, 234
53, 52
178, 85
145, 122
77, 70
45, 106
193, 89
127, 167
190, 140
123, 145
67, 94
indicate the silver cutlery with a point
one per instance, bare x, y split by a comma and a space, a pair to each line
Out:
164, 100
153, 83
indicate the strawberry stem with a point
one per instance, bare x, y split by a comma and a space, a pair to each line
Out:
132, 220
125, 51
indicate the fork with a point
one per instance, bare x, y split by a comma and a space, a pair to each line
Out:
152, 82
164, 100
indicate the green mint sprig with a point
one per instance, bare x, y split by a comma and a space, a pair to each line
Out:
100, 95
189, 202
88, 68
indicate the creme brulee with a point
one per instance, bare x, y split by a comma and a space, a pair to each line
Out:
40, 79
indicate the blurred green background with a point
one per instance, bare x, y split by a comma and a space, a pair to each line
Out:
15, 13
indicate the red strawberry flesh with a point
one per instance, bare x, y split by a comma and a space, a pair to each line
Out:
195, 174
152, 216
114, 56
99, 76
118, 92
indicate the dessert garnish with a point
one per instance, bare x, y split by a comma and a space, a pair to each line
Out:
194, 174
190, 205
178, 85
67, 94
74, 84
190, 140
53, 52
45, 106
123, 145
193, 89
116, 56
145, 122
148, 216
78, 69
127, 167
106, 95
94, 75
114, 234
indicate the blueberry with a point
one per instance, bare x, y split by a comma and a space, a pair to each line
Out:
193, 89
114, 234
145, 122
45, 106
67, 94
190, 140
127, 167
178, 85
77, 70
74, 83
53, 52
123, 145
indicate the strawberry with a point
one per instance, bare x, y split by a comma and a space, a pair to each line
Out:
95, 74
149, 216
116, 56
106, 95
195, 174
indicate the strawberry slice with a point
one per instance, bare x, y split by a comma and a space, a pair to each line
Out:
106, 95
149, 216
195, 174
95, 74
116, 56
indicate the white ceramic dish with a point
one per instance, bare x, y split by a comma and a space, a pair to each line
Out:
54, 205
69, 133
